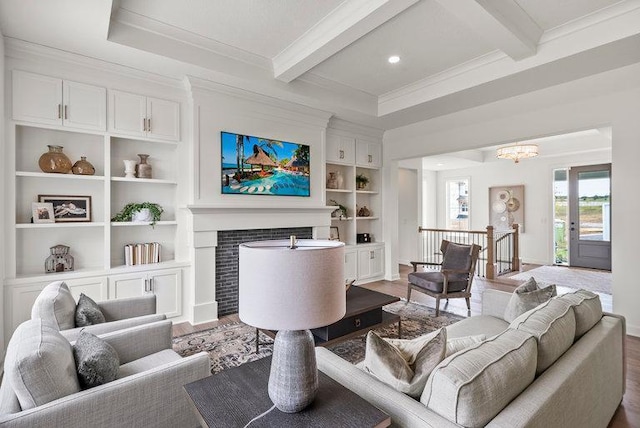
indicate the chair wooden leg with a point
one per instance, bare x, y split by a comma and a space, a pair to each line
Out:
468, 303
437, 306
408, 292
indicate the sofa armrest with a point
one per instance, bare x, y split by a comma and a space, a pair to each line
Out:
153, 398
623, 320
119, 309
107, 327
403, 410
494, 302
139, 341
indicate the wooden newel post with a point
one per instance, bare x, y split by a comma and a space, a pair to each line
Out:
491, 263
515, 262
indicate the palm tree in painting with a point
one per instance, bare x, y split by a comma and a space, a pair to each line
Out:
269, 147
240, 153
302, 154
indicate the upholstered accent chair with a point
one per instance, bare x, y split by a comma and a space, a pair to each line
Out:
56, 305
450, 279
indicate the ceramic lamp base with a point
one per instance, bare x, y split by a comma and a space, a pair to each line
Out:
293, 381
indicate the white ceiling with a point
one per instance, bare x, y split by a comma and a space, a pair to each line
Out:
332, 54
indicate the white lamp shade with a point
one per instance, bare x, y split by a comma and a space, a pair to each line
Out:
291, 289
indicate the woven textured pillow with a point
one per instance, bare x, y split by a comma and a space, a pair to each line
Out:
526, 297
96, 361
403, 364
586, 307
56, 305
88, 312
39, 364
553, 324
471, 387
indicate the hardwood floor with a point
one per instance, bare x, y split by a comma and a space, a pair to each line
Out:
628, 413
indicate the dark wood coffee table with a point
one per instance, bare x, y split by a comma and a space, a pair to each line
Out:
234, 396
364, 313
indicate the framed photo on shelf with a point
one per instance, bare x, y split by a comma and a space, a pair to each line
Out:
42, 212
68, 208
334, 233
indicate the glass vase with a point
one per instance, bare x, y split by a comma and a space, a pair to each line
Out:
83, 167
54, 161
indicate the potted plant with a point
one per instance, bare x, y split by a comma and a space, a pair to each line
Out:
361, 181
341, 211
140, 212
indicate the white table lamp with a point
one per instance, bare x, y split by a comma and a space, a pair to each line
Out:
291, 289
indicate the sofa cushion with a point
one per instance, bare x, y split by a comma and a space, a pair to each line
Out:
457, 344
526, 297
472, 386
87, 312
148, 362
56, 305
586, 308
96, 361
553, 325
39, 364
403, 364
478, 324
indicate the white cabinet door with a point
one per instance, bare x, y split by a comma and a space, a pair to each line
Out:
376, 263
364, 266
370, 262
85, 106
37, 98
340, 149
163, 119
95, 287
127, 285
350, 265
368, 154
127, 113
167, 286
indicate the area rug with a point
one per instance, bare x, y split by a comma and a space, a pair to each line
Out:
593, 280
233, 344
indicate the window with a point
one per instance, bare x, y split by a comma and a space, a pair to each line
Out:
457, 204
560, 216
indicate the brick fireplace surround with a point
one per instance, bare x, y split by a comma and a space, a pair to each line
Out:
212, 226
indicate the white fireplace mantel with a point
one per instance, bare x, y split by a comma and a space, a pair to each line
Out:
208, 220
220, 217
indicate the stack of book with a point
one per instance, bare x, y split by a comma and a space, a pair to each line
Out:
141, 254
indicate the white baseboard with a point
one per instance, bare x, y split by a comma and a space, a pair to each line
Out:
633, 330
204, 312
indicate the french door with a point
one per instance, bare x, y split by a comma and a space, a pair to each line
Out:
590, 216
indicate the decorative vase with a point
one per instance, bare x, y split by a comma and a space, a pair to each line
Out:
339, 180
332, 181
361, 185
143, 169
60, 260
129, 168
83, 167
54, 161
142, 216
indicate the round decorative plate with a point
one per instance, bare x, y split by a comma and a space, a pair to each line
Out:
498, 206
503, 195
513, 204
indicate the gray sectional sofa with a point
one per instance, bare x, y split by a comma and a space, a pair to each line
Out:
559, 365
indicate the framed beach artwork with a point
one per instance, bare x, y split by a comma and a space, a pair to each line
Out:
506, 207
261, 166
69, 208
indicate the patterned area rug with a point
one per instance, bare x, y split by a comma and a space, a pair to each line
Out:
597, 281
233, 344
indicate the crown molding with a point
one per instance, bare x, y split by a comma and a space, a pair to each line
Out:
23, 50
346, 126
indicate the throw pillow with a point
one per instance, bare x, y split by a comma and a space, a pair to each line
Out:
96, 361
526, 297
457, 344
404, 364
55, 305
88, 312
39, 364
586, 307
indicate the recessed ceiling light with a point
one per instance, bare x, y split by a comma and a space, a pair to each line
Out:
439, 164
394, 59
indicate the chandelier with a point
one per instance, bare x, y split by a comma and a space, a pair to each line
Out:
517, 152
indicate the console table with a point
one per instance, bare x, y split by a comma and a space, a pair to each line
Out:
234, 396
364, 313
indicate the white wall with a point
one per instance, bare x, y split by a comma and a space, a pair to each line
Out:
611, 98
536, 242
408, 215
2, 192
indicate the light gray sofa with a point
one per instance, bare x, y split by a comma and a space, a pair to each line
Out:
147, 393
582, 388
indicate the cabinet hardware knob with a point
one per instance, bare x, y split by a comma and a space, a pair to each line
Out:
59, 111
66, 115
357, 322
151, 284
149, 125
370, 158
144, 124
341, 154
372, 255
